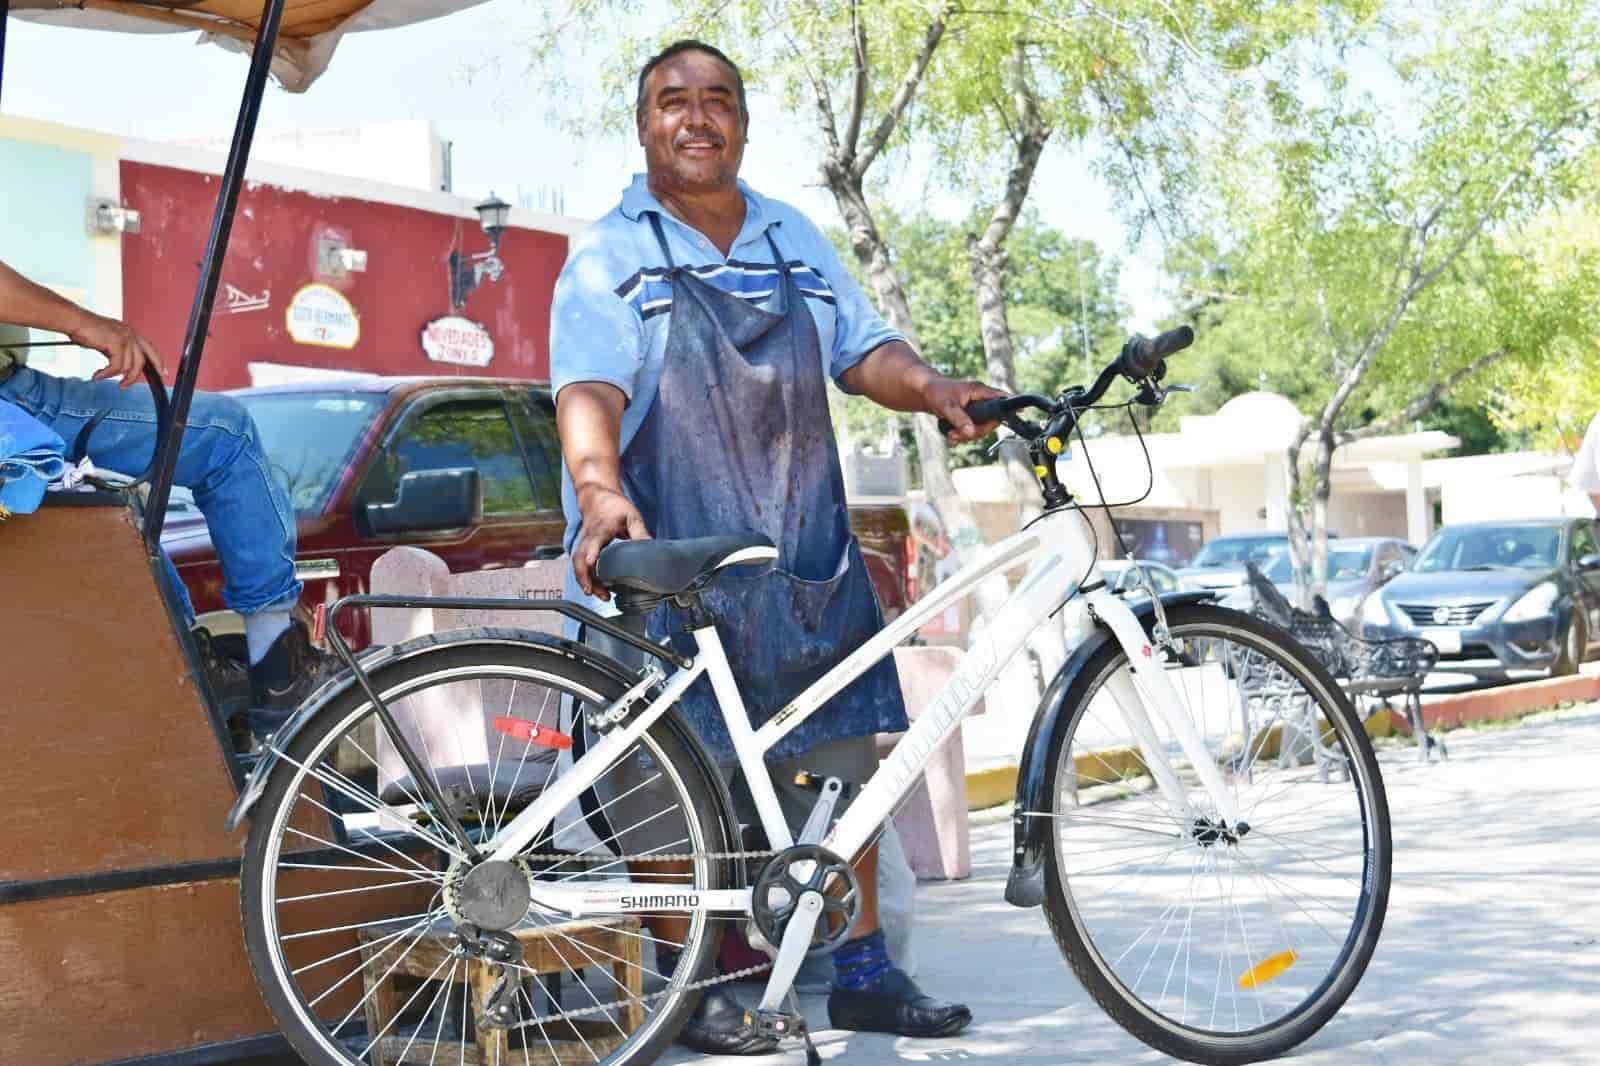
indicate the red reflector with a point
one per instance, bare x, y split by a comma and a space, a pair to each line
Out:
532, 732
319, 624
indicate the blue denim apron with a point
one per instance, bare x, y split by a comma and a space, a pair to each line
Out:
739, 438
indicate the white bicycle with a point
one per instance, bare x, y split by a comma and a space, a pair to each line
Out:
414, 892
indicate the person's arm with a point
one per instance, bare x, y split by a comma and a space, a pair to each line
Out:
893, 375
25, 303
589, 420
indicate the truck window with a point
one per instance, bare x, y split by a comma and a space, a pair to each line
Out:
536, 425
470, 433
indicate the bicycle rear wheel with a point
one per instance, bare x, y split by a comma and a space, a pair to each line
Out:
352, 889
1215, 943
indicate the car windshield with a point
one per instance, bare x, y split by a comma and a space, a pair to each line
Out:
1344, 564
1236, 551
309, 437
1491, 548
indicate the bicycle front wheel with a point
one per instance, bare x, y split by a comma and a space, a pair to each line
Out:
363, 927
1216, 943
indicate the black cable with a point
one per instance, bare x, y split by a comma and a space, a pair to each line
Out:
1100, 490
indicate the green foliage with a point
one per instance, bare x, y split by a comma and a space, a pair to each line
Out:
1047, 318
1389, 222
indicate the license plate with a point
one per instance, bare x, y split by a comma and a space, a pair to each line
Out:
1448, 641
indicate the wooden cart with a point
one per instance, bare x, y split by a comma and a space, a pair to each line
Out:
120, 937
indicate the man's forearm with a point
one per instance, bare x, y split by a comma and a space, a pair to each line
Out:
24, 303
892, 375
589, 419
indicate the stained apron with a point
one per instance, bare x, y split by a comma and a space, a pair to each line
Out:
739, 438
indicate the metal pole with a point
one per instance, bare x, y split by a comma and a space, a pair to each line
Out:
205, 294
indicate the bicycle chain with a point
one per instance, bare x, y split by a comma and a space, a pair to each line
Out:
692, 986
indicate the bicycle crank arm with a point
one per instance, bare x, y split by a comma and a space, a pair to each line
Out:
796, 942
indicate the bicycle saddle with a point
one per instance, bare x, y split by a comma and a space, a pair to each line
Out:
668, 567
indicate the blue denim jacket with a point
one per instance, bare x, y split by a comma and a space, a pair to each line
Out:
31, 456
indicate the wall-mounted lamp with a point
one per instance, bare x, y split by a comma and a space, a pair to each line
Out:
468, 271
107, 218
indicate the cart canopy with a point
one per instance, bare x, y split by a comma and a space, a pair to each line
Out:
310, 31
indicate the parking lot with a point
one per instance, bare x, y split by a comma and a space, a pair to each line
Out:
1490, 954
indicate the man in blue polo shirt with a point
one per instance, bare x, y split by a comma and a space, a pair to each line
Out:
693, 332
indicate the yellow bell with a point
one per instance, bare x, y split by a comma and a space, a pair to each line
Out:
1054, 445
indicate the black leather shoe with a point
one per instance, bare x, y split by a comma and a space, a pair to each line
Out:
896, 1005
721, 1026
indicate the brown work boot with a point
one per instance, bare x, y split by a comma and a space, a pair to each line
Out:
226, 676
290, 671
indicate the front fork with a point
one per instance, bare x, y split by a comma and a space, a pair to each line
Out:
1145, 683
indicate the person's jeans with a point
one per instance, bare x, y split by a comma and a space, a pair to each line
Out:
221, 462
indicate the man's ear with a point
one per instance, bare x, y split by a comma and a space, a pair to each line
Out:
638, 124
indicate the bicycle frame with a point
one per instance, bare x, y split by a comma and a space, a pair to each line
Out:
1059, 552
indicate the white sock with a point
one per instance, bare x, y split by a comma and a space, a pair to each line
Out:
262, 628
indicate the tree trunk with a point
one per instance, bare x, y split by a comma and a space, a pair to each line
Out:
988, 278
988, 261
932, 453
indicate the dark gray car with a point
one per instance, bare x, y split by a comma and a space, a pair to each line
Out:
1500, 599
1356, 566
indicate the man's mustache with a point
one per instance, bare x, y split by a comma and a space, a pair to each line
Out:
715, 140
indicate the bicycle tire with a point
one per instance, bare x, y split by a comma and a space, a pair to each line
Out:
667, 741
1099, 976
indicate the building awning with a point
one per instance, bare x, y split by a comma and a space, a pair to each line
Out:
307, 37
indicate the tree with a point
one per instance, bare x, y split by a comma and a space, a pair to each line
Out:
1378, 245
1061, 301
874, 77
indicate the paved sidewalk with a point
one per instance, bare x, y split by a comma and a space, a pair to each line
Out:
1490, 954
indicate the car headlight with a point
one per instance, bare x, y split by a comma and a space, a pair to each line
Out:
1373, 610
1535, 603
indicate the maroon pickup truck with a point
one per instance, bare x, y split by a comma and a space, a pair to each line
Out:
346, 450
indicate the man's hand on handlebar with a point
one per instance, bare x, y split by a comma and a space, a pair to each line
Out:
948, 400
125, 349
607, 516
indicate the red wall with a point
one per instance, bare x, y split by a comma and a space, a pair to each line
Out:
273, 249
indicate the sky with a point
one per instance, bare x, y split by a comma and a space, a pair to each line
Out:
466, 73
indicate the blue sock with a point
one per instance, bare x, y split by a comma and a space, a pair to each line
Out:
263, 628
861, 963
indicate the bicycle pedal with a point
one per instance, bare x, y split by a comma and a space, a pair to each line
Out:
812, 781
778, 1024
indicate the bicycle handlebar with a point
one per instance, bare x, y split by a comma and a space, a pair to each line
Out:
1140, 358
1142, 355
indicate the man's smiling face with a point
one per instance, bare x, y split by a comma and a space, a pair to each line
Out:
691, 126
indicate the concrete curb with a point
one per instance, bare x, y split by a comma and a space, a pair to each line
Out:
992, 786
1507, 701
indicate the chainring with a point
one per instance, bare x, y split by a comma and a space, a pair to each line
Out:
777, 893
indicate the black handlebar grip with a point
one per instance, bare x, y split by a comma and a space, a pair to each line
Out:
981, 411
1141, 355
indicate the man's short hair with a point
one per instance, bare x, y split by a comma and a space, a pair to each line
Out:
690, 45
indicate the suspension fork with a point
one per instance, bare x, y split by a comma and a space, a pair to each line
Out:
1144, 683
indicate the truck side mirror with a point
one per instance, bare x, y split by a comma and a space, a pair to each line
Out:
1589, 562
430, 500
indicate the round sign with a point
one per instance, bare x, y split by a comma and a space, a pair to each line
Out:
457, 340
319, 314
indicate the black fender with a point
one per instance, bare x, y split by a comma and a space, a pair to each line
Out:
1025, 885
375, 660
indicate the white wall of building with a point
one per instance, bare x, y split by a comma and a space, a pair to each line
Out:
1367, 514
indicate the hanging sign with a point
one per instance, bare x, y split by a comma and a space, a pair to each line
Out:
457, 340
321, 315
